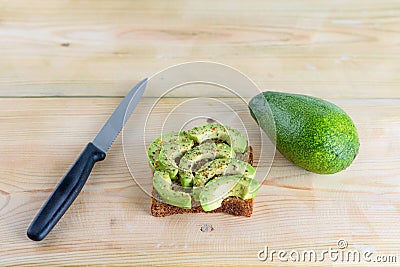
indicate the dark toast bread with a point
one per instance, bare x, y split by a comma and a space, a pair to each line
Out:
231, 205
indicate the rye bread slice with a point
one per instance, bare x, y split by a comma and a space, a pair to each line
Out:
231, 205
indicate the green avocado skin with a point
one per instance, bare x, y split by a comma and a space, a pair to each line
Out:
312, 133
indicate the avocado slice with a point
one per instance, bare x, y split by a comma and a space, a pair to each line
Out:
171, 146
196, 192
168, 164
201, 154
218, 131
252, 183
214, 192
163, 185
199, 158
153, 153
311, 132
224, 166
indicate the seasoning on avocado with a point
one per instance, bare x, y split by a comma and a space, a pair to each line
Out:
223, 166
233, 137
216, 190
200, 157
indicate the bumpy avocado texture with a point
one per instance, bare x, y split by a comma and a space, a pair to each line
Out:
313, 133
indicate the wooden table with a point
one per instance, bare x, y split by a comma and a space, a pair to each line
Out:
65, 65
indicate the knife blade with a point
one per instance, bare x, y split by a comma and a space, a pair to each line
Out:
72, 183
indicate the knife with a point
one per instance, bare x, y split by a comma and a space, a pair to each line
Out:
70, 186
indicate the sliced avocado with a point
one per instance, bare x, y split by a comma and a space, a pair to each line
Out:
153, 153
218, 131
173, 146
252, 184
167, 164
202, 153
163, 185
205, 151
224, 166
311, 132
186, 178
249, 182
213, 193
175, 151
196, 192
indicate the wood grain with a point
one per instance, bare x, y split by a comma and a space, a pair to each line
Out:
334, 49
66, 64
110, 221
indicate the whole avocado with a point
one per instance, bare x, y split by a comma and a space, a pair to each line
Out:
312, 133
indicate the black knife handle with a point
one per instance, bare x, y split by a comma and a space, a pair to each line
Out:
65, 193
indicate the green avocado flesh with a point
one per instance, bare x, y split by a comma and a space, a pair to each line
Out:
223, 167
194, 160
218, 189
218, 131
312, 133
203, 152
163, 185
165, 149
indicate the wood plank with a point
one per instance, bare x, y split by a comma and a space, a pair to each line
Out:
329, 50
346, 51
110, 222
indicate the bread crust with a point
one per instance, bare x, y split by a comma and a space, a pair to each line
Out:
231, 205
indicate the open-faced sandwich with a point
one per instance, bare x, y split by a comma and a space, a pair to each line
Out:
205, 169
